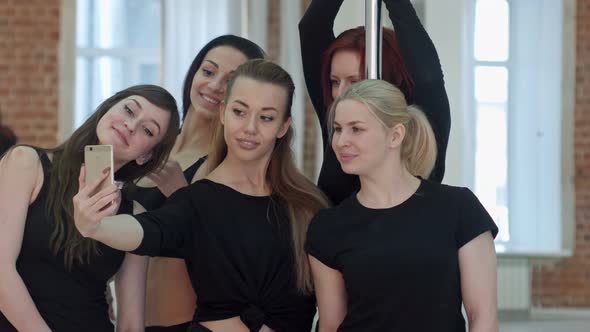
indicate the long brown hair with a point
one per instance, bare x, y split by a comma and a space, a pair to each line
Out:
299, 196
65, 168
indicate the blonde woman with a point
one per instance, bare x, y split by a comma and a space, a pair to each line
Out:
404, 253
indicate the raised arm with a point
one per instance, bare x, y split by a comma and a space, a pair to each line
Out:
316, 33
21, 177
477, 263
163, 232
330, 293
423, 64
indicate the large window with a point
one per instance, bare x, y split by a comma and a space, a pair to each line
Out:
491, 73
514, 118
117, 45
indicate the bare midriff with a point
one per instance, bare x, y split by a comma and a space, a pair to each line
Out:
170, 298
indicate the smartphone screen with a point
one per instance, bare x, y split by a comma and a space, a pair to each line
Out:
96, 159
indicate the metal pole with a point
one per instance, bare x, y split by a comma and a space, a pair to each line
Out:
373, 39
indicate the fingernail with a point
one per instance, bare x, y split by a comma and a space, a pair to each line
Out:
106, 170
119, 184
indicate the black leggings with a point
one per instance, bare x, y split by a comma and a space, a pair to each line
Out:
176, 328
196, 327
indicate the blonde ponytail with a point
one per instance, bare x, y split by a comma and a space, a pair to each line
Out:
388, 104
419, 146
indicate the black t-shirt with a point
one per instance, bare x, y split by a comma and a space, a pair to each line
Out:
421, 61
238, 252
400, 265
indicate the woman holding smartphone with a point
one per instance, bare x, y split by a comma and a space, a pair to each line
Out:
240, 230
52, 278
170, 298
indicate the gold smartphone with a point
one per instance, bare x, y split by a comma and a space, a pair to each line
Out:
96, 159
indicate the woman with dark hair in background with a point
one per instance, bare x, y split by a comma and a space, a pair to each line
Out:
410, 62
241, 230
170, 298
52, 278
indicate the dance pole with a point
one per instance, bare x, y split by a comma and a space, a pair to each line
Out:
373, 39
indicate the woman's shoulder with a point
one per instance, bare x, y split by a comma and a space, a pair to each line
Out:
335, 214
22, 157
440, 189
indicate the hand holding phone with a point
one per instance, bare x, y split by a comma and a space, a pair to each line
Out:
96, 159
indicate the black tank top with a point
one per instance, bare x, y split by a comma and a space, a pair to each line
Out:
68, 300
152, 198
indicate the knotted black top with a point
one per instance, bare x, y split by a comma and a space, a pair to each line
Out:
238, 252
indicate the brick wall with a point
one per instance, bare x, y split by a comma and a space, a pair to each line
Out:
29, 35
566, 283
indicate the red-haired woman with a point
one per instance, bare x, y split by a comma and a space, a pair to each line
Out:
410, 62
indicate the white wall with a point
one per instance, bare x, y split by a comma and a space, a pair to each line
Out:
444, 21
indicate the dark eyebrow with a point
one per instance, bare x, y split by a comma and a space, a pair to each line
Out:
351, 123
152, 120
213, 62
269, 108
137, 103
241, 103
157, 125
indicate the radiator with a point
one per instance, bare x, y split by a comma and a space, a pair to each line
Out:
514, 285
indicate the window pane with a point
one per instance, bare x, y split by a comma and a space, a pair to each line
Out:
118, 45
81, 100
83, 23
491, 84
107, 78
126, 23
491, 164
491, 30
149, 73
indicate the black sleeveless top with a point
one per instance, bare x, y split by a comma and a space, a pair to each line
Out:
68, 300
152, 198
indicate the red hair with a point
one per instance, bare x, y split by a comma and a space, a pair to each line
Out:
392, 68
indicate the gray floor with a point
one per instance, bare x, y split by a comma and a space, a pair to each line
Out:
546, 326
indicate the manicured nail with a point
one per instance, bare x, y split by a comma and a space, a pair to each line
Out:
106, 170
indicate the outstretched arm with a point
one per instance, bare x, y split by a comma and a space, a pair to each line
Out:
162, 232
93, 215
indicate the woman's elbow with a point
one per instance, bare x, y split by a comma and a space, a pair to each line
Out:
482, 321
